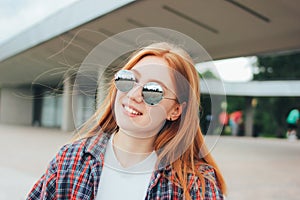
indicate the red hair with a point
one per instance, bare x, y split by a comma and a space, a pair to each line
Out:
184, 132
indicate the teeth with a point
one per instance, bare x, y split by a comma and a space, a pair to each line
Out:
130, 110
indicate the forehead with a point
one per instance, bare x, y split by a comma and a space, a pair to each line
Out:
153, 68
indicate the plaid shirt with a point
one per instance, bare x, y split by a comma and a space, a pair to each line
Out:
75, 173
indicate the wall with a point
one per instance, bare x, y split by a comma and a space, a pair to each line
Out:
16, 106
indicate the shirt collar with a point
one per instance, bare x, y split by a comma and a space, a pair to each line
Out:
96, 145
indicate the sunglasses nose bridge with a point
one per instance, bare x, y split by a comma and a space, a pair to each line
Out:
135, 92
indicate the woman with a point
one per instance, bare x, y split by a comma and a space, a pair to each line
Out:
147, 143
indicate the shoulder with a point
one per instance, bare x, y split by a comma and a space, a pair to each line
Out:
206, 183
207, 171
294, 112
47, 185
80, 150
67, 154
72, 149
71, 163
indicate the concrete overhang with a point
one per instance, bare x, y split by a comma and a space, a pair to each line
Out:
224, 28
251, 89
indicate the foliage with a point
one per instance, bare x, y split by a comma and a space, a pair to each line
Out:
278, 67
271, 112
208, 75
235, 103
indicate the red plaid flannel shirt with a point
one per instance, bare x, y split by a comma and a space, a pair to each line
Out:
75, 173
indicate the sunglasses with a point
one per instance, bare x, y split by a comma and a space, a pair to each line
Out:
152, 92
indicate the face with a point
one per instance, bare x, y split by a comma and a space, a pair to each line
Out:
133, 113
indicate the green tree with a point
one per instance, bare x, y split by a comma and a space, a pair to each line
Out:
271, 112
208, 75
278, 67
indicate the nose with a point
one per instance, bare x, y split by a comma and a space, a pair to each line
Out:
135, 94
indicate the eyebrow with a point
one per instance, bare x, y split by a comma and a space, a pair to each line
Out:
136, 73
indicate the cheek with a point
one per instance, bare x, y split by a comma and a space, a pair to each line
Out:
157, 114
116, 109
154, 116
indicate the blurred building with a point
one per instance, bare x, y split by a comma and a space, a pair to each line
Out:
37, 91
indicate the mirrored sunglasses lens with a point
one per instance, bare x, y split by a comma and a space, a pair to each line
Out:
124, 80
152, 93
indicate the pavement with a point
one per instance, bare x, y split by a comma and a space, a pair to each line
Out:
254, 168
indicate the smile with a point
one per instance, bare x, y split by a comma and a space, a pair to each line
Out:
132, 111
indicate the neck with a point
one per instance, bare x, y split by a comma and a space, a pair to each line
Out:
130, 150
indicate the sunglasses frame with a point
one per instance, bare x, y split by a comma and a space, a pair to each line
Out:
143, 86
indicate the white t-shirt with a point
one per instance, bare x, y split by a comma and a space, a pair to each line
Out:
117, 182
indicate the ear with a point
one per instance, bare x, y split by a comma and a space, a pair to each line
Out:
176, 111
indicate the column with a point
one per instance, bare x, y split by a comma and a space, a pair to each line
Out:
67, 112
249, 116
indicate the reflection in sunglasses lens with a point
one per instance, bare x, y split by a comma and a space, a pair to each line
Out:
152, 93
124, 85
124, 80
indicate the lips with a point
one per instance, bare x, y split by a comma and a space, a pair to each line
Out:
132, 111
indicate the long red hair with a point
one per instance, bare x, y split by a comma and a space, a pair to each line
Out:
184, 132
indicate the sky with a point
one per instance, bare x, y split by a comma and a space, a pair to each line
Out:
236, 69
18, 15
231, 70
